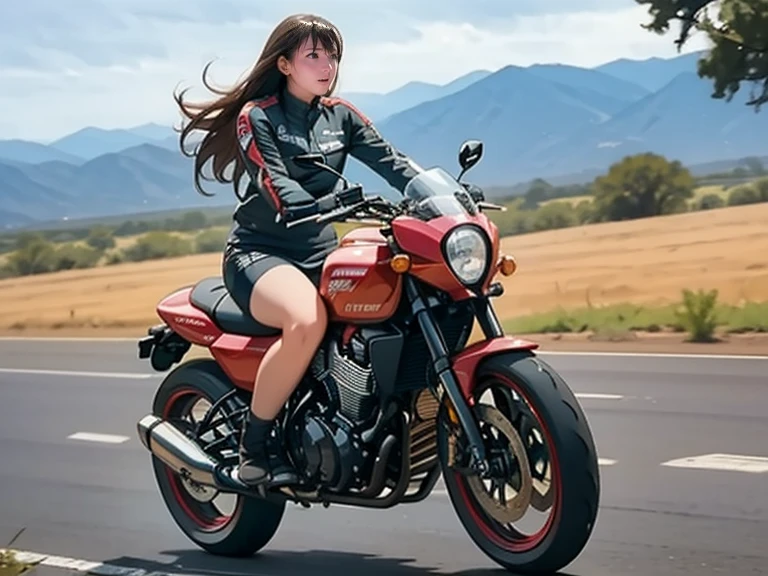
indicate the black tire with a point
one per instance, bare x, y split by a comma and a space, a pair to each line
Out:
574, 463
253, 521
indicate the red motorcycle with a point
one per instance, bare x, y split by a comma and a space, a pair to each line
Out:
394, 397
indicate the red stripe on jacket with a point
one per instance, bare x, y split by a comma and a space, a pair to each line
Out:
244, 127
327, 101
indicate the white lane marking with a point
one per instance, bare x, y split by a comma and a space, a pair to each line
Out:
84, 566
729, 462
103, 438
594, 396
76, 373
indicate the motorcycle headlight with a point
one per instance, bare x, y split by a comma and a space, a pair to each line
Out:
467, 254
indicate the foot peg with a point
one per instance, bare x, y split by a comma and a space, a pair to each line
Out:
226, 479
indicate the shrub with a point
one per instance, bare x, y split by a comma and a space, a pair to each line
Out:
33, 255
554, 215
761, 187
100, 238
72, 256
745, 194
710, 202
157, 245
211, 240
698, 315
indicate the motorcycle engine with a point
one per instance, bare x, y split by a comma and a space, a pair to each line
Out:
330, 447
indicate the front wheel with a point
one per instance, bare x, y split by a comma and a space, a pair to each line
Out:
222, 524
543, 462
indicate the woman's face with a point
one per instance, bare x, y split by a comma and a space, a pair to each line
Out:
312, 70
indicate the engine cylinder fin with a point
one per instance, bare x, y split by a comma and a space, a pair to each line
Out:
355, 386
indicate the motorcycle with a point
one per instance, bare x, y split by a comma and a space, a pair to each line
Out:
395, 397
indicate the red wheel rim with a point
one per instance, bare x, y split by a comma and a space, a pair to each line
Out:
491, 529
189, 505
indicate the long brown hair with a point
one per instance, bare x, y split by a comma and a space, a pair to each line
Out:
218, 117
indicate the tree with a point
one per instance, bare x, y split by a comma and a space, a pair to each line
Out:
739, 36
642, 186
100, 238
34, 255
538, 192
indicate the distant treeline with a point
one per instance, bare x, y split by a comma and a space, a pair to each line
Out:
640, 186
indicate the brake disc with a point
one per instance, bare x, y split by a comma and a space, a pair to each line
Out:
513, 509
540, 501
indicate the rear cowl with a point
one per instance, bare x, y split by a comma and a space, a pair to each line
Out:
175, 450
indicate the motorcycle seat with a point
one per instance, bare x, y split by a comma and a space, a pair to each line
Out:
211, 296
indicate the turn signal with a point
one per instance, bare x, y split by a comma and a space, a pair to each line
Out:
400, 263
507, 265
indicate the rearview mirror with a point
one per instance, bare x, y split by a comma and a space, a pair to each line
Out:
470, 153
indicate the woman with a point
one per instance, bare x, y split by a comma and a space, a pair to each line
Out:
279, 111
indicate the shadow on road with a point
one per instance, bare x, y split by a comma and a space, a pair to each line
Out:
316, 562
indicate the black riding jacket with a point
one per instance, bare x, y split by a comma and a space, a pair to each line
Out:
271, 131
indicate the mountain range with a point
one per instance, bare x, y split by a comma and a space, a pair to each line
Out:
553, 121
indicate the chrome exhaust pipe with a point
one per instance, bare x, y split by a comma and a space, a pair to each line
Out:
176, 451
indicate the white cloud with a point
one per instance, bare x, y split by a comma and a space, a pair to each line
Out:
127, 86
444, 51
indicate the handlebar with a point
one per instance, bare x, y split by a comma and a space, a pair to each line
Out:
377, 208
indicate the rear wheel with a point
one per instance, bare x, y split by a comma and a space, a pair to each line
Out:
538, 509
222, 524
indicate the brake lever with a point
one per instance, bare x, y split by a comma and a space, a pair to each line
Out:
338, 212
313, 218
489, 206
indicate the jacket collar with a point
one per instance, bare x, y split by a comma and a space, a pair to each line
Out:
296, 108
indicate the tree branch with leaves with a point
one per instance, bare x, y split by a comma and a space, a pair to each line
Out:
738, 34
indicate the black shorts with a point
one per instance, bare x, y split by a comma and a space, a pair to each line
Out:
242, 269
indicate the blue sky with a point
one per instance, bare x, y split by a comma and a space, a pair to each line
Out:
114, 63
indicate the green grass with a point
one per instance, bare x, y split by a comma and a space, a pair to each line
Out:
10, 565
752, 317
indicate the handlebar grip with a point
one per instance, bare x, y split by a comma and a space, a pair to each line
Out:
351, 196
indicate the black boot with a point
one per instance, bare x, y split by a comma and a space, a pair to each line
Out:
282, 472
261, 460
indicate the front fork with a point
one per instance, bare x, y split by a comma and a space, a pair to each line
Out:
442, 365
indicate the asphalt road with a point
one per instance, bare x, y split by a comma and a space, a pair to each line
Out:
97, 500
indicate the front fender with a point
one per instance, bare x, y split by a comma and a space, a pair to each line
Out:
465, 362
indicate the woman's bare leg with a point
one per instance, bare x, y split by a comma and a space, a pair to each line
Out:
283, 298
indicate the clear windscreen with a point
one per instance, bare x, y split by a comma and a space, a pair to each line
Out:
434, 192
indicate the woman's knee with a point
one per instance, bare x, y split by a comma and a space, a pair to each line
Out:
285, 298
307, 321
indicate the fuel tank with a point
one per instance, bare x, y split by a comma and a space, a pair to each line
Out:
357, 281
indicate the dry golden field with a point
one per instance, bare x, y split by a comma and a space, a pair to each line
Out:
644, 261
